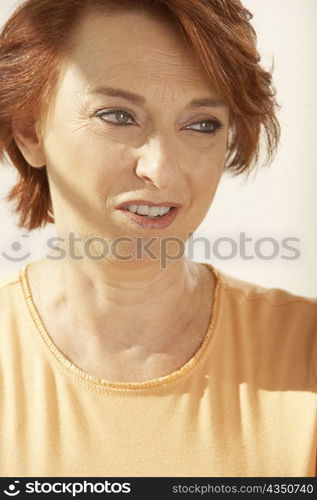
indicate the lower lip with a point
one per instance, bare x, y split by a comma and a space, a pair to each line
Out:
147, 223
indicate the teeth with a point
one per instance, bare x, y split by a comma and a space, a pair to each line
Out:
164, 210
143, 210
132, 208
154, 211
147, 210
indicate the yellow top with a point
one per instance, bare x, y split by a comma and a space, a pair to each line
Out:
244, 405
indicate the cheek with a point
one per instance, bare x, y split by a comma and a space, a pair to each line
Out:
206, 176
205, 180
79, 156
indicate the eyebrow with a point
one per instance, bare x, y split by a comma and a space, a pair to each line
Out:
214, 102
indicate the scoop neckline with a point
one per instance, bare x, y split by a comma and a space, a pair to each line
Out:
97, 382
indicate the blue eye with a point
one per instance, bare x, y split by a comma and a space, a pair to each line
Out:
121, 120
121, 117
215, 125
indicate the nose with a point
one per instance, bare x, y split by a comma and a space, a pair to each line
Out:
157, 162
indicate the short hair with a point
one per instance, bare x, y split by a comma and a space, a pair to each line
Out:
32, 48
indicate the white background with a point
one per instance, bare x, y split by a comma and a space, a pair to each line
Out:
279, 202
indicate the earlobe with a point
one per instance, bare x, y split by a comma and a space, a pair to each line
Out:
30, 145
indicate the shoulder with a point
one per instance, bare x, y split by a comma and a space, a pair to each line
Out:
276, 322
9, 285
275, 299
10, 293
279, 311
11, 316
9, 279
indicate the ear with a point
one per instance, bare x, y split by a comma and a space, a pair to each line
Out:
29, 142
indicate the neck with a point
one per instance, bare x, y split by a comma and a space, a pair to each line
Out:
130, 306
114, 323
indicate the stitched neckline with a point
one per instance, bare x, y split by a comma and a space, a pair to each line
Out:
98, 382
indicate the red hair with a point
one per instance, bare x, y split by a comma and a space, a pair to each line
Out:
32, 47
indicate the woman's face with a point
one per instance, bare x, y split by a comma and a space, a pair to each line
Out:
103, 150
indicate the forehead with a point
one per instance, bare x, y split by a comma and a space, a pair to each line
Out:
134, 46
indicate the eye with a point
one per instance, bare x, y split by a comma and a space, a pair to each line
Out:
208, 126
121, 117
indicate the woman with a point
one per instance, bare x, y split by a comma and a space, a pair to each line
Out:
118, 359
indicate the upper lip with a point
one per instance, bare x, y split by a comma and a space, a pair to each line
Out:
150, 203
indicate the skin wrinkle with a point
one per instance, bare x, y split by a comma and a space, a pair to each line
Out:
127, 320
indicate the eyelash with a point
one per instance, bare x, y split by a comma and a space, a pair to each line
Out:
217, 124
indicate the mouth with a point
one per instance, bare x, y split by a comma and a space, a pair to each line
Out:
148, 221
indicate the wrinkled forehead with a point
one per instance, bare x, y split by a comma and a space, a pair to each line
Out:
136, 46
134, 51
